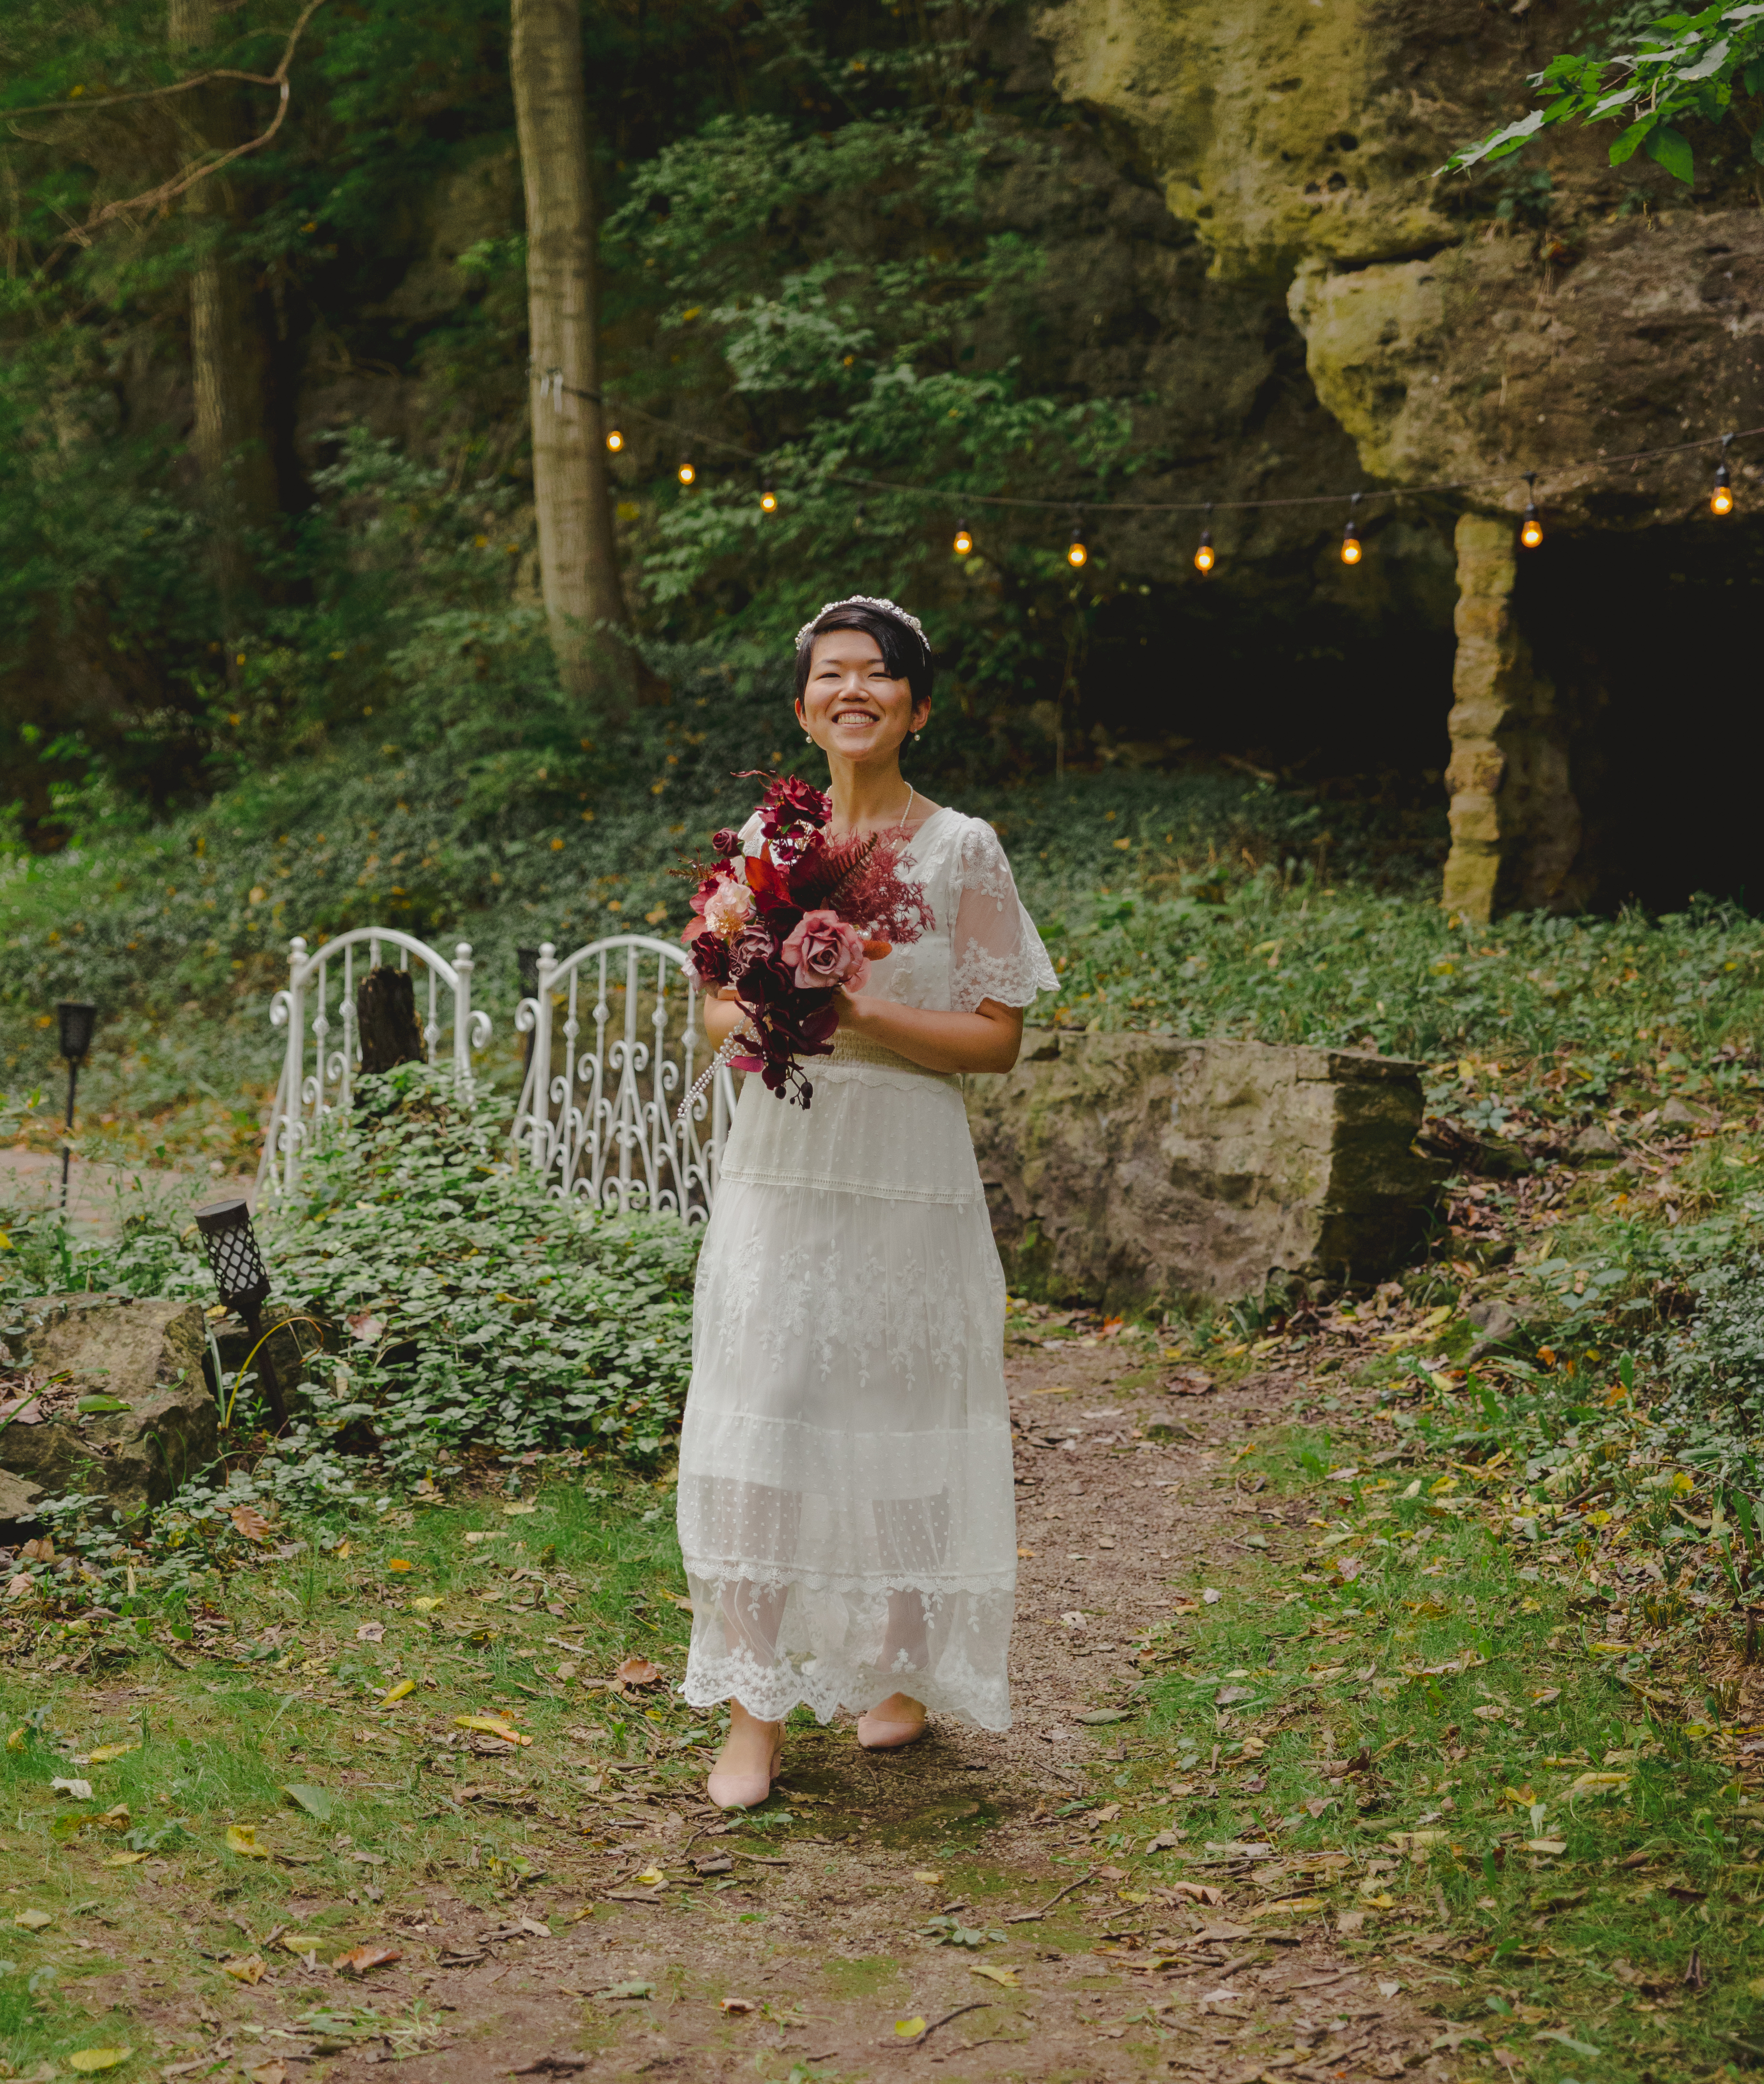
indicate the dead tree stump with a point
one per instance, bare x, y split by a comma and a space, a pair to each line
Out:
386, 1019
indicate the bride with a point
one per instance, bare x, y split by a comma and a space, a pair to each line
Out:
846, 1509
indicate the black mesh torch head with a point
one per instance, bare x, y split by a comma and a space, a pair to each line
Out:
240, 1277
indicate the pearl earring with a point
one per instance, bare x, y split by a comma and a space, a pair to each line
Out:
808, 738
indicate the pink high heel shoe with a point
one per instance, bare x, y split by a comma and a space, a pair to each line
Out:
746, 1790
877, 1732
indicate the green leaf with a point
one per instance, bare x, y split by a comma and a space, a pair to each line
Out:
93, 1404
1671, 149
317, 1801
1626, 146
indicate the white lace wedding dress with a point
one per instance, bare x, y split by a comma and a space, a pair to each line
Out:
846, 1509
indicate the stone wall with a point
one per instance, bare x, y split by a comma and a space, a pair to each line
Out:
1129, 1169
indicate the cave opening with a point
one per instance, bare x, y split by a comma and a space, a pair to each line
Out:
1651, 640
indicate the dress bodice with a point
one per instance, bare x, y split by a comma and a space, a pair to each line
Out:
983, 944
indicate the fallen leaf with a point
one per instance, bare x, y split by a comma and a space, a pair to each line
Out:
248, 1969
1211, 1597
125, 1859
1389, 1990
1545, 1846
98, 2058
405, 1686
929, 1875
736, 2005
632, 1989
274, 2071
371, 1631
1006, 1978
33, 1921
639, 1672
500, 1534
514, 1511
1567, 2040
1290, 1906
242, 1838
1095, 1716
359, 1959
910, 2029
106, 1753
80, 1789
302, 1942
317, 1801
425, 1605
250, 1523
651, 1877
1593, 1783
365, 1328
399, 1563
492, 1725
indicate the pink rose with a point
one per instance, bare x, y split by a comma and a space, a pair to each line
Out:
824, 951
727, 908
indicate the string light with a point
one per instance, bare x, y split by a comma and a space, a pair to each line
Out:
1530, 527
1721, 499
1205, 558
1352, 549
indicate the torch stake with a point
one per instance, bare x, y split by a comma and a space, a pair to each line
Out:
67, 1141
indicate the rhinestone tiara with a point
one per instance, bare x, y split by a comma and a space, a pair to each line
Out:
864, 600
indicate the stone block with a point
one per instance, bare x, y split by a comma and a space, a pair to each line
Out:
147, 1356
1130, 1169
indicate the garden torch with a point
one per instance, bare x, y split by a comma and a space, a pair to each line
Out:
242, 1282
77, 1018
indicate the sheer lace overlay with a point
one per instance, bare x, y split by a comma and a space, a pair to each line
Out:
846, 1509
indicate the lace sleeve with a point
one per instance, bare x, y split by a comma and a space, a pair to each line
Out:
996, 952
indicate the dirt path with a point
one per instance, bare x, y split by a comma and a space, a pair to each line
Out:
813, 1928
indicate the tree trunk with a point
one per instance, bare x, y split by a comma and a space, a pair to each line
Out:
578, 561
231, 444
386, 1019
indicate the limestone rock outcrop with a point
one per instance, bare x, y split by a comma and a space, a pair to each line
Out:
1127, 1169
149, 1421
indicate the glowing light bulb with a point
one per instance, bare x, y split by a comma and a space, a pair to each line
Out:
1352, 550
768, 501
964, 538
1077, 555
1531, 528
688, 475
1205, 558
1721, 499
615, 440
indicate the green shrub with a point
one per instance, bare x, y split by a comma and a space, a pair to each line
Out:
463, 1301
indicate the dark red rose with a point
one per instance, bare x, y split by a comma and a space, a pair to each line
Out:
728, 840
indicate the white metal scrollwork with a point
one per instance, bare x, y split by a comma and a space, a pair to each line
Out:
312, 1090
598, 1118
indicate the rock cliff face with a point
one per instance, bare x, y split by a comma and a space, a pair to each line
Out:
1555, 313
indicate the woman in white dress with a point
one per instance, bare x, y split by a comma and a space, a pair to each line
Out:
846, 1508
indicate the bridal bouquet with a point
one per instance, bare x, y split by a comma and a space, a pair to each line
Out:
788, 915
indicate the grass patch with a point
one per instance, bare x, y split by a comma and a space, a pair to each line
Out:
1419, 1719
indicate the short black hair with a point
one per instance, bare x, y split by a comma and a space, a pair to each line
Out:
905, 652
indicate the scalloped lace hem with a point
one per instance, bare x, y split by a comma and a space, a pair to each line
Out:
825, 1684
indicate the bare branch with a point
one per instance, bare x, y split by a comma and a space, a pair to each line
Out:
187, 177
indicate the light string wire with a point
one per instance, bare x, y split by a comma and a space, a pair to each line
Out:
966, 499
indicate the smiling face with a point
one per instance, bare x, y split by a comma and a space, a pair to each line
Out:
852, 706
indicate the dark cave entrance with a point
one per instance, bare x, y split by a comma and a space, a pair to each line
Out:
1651, 640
